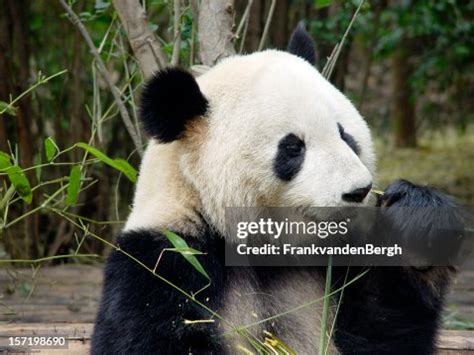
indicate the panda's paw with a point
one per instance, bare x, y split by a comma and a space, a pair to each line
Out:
426, 222
403, 193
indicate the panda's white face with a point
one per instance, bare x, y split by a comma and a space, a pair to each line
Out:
276, 133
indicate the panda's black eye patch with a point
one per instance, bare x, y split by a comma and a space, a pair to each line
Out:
349, 139
290, 157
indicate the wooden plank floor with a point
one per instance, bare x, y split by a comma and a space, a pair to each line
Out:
69, 293
63, 300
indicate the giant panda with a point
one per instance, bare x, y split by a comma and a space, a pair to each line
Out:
264, 129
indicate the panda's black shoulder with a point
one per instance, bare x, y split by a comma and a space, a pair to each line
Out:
138, 252
140, 303
143, 245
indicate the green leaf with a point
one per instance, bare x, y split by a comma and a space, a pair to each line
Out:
180, 244
74, 185
101, 5
6, 198
128, 170
16, 177
5, 161
322, 3
118, 164
84, 16
20, 182
7, 108
189, 251
153, 27
51, 149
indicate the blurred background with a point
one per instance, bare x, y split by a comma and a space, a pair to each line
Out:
406, 65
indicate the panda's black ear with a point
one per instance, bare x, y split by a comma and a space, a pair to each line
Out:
170, 99
302, 45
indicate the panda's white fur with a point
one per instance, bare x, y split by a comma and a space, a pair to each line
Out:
282, 94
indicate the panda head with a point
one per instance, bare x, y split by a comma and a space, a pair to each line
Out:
264, 129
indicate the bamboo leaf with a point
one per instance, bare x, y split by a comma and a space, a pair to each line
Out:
183, 248
6, 197
7, 108
118, 164
322, 3
5, 161
20, 182
128, 170
51, 149
74, 185
188, 251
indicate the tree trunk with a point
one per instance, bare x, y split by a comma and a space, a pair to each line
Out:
255, 26
216, 21
279, 27
76, 93
143, 41
6, 85
403, 103
19, 51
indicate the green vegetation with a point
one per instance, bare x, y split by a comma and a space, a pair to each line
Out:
443, 159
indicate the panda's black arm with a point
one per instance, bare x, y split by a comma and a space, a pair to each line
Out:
141, 314
391, 310
396, 310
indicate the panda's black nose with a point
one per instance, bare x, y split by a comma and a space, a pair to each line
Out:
357, 195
